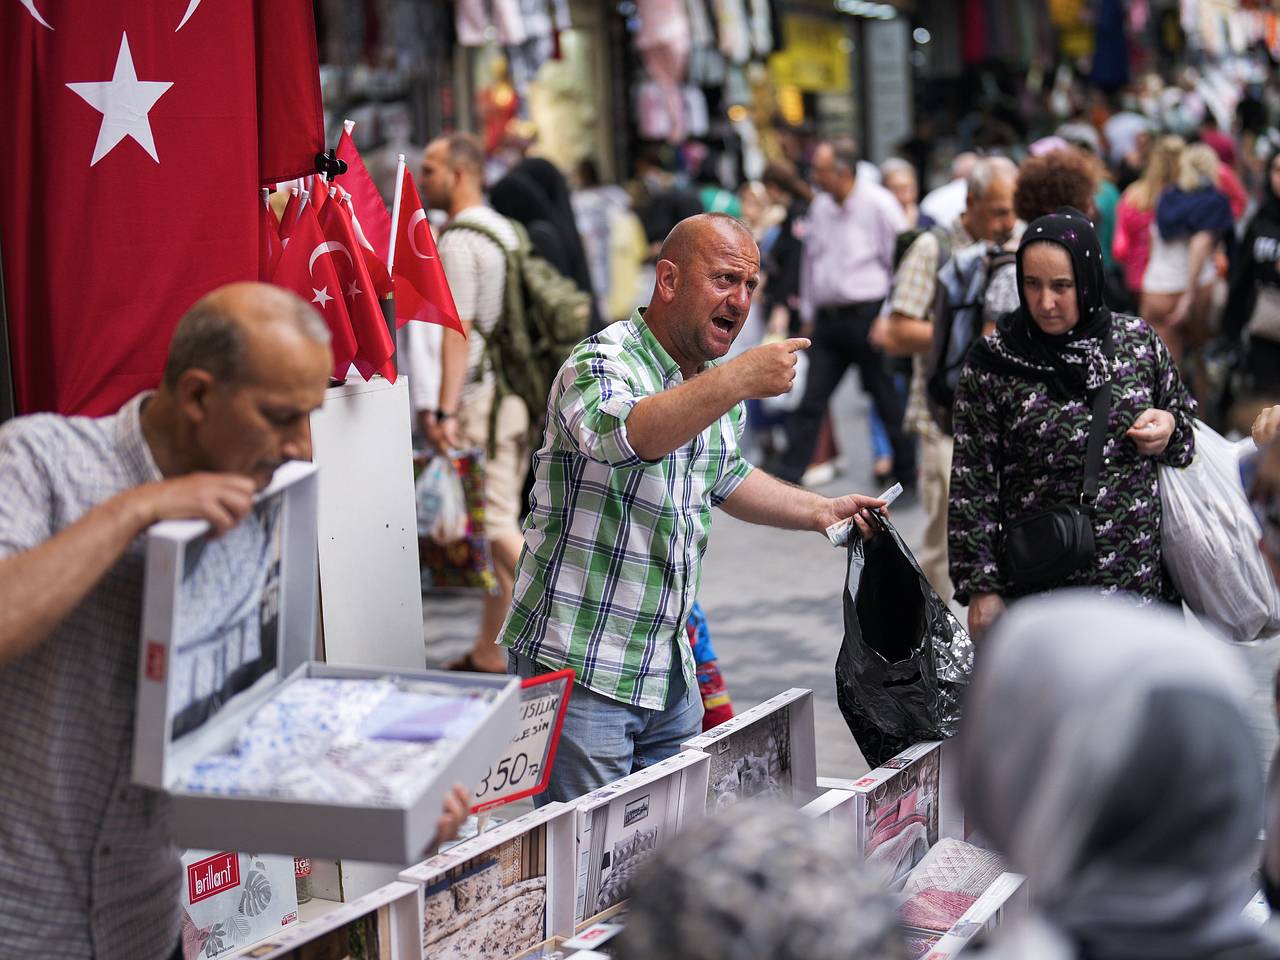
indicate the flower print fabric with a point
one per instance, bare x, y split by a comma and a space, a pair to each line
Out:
332, 741
1020, 448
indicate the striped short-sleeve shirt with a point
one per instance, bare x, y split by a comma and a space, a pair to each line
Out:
86, 866
614, 544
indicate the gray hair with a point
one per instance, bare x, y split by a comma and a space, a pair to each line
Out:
986, 172
896, 165
845, 150
211, 335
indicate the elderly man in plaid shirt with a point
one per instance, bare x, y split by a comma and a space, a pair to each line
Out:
642, 441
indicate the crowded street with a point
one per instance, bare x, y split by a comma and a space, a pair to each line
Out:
640, 479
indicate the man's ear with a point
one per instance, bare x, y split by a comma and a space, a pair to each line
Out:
667, 280
193, 391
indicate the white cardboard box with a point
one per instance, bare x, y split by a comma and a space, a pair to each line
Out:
173, 732
390, 916
514, 865
836, 806
770, 750
231, 900
898, 810
622, 824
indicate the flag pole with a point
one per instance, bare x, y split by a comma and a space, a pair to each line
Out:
8, 401
395, 214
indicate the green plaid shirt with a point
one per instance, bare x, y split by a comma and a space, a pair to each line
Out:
613, 546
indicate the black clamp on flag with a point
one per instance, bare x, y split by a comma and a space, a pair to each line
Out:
329, 165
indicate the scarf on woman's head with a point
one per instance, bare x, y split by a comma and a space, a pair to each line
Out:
1128, 790
1072, 363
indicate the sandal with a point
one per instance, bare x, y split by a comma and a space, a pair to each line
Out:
465, 664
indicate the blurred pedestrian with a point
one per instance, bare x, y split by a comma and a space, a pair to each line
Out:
848, 264
988, 220
1253, 305
899, 178
1127, 790
1136, 212
1022, 416
1192, 217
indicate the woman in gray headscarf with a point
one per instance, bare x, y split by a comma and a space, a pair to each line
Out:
1106, 752
761, 883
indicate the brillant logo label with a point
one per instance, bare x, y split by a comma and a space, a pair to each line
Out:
212, 875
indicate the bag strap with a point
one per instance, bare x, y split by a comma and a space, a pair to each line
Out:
1097, 429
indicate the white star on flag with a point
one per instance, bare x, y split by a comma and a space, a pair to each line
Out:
354, 291
321, 296
124, 102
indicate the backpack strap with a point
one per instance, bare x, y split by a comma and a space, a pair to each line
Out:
512, 306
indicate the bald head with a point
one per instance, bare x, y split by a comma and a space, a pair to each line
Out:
690, 236
218, 333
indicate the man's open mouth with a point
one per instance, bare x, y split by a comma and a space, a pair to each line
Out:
724, 323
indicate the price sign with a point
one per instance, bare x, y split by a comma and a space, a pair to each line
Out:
524, 767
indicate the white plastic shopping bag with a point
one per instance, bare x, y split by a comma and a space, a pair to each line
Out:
442, 504
789, 401
1209, 538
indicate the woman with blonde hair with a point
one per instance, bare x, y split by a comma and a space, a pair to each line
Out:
1191, 217
1136, 211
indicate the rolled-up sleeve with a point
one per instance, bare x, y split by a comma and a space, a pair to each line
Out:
593, 408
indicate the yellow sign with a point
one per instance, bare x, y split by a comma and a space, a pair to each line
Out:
816, 57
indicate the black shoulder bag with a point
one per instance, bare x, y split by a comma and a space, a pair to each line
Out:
1043, 549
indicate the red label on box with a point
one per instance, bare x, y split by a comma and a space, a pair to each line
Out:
156, 661
288, 919
212, 875
865, 781
301, 867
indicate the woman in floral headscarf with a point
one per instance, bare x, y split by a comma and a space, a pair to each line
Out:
1022, 413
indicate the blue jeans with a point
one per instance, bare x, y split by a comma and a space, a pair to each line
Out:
603, 740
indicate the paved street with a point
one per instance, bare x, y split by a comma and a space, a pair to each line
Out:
773, 602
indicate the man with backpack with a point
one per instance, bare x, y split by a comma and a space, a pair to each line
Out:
475, 263
935, 313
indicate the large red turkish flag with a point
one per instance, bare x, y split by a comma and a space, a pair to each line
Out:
130, 172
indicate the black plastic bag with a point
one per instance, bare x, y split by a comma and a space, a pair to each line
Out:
905, 659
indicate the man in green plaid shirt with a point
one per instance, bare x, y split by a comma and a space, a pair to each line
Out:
642, 440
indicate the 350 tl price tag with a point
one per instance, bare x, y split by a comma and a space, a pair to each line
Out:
524, 767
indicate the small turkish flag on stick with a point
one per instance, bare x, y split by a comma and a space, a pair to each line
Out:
422, 291
365, 198
374, 348
269, 248
307, 268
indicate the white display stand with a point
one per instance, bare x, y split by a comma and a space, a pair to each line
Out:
370, 585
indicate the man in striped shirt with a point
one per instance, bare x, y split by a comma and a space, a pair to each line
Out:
86, 866
643, 440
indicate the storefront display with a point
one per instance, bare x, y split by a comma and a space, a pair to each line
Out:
501, 893
263, 750
621, 825
768, 752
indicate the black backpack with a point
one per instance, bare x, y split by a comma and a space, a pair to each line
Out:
957, 321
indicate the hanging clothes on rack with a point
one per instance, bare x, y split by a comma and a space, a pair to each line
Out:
663, 44
473, 19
